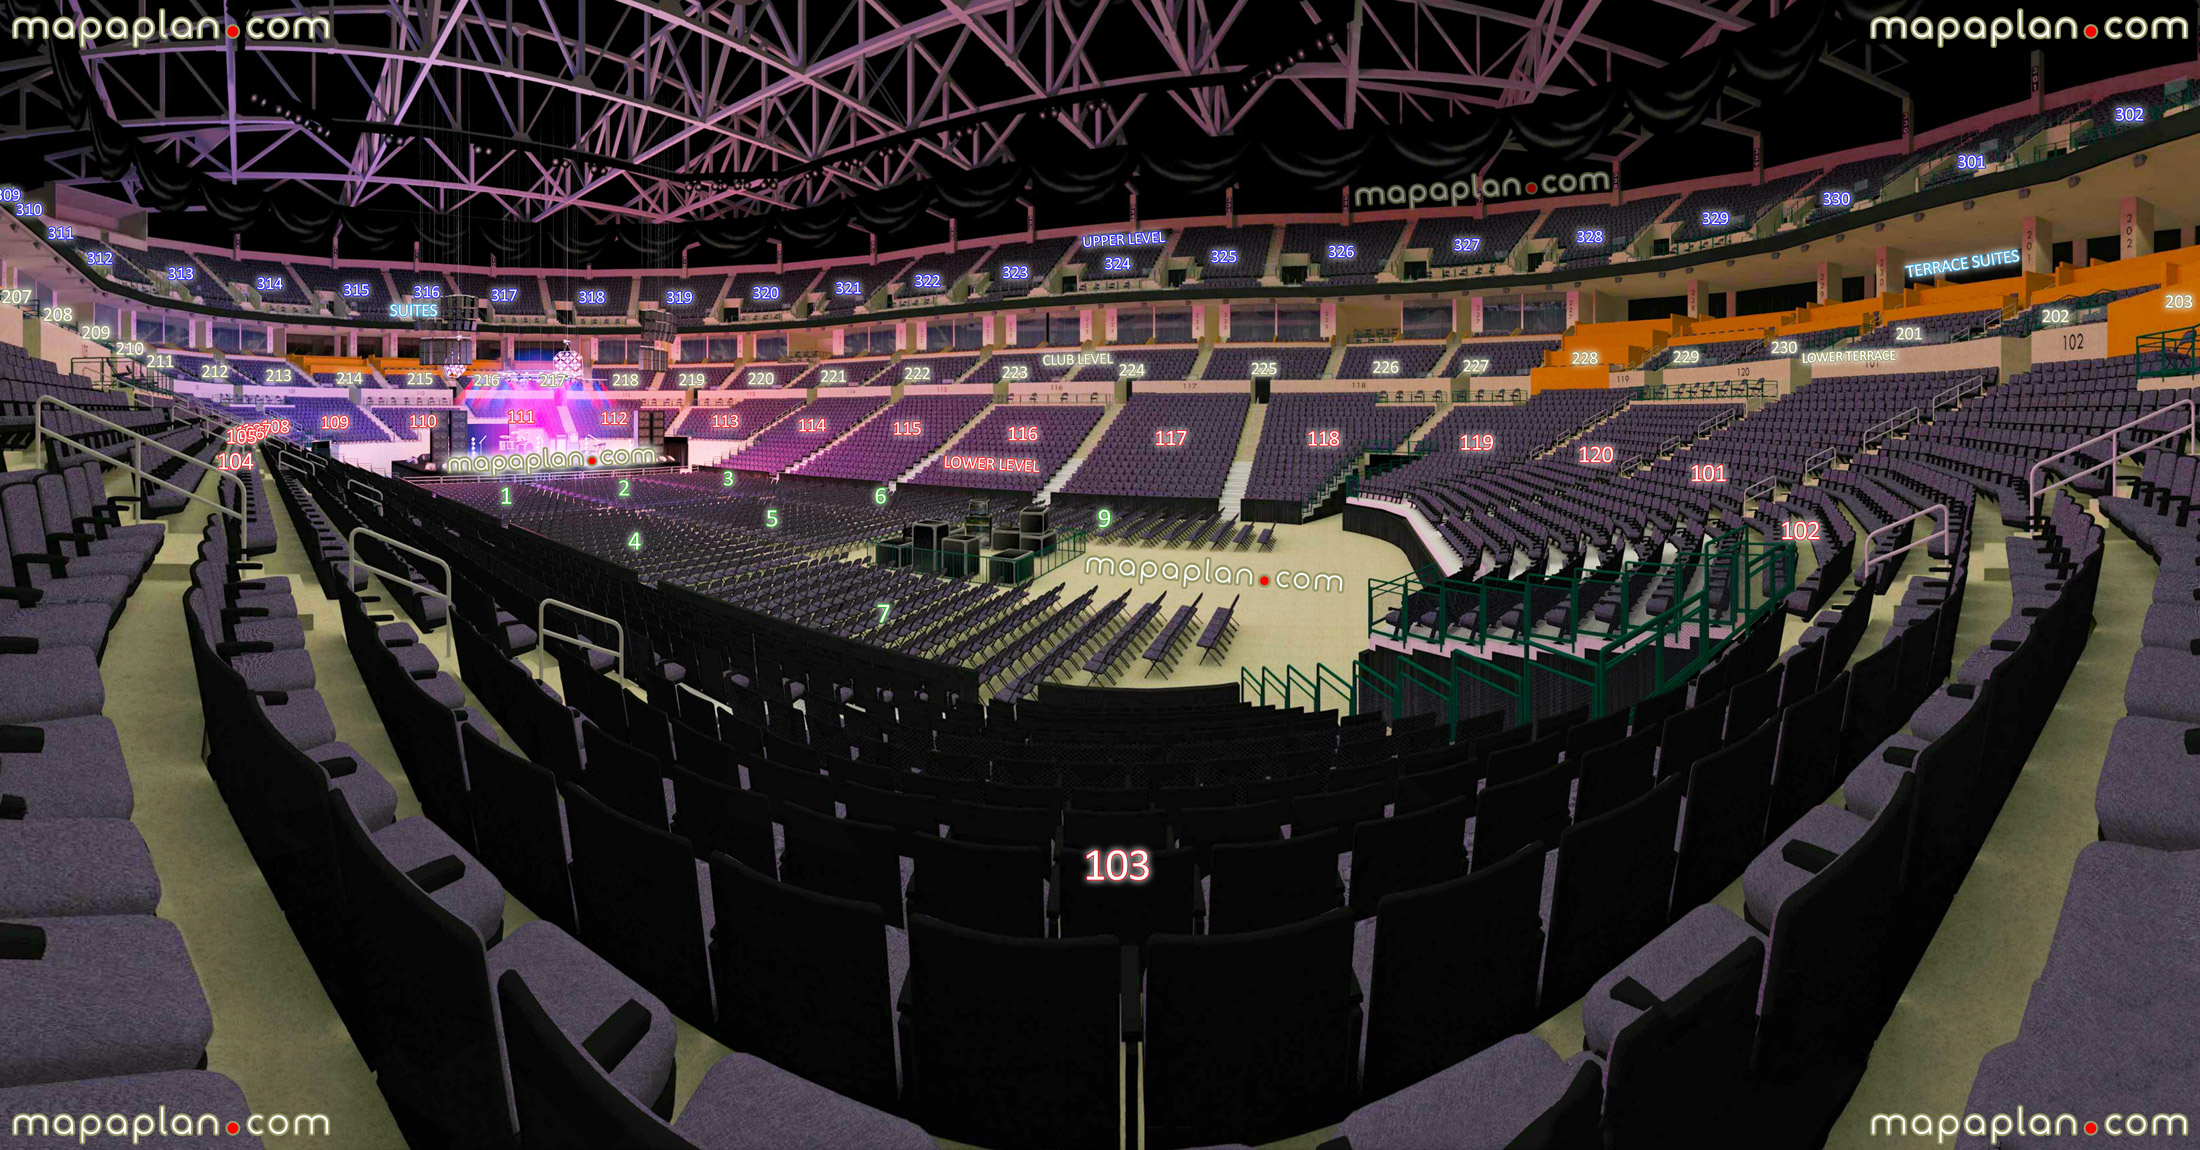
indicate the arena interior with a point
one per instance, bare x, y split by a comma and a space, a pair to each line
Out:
1078, 574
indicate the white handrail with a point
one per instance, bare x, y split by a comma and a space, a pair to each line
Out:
1770, 484
1957, 392
1864, 571
1885, 429
2032, 477
450, 609
371, 493
543, 631
1829, 456
41, 433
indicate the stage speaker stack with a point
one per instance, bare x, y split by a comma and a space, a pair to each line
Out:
1006, 538
928, 537
1038, 542
448, 437
959, 556
1033, 519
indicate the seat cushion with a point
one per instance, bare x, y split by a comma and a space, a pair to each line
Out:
370, 796
180, 1097
414, 657
302, 718
65, 625
1866, 791
2164, 684
68, 868
476, 898
78, 774
2149, 793
2171, 625
275, 670
1666, 965
112, 995
1480, 1104
1940, 711
60, 683
579, 991
746, 1103
1770, 879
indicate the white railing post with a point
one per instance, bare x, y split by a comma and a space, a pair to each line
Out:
2032, 477
41, 433
544, 633
1863, 572
450, 608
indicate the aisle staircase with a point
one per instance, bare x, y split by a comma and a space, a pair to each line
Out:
1084, 451
927, 461
1233, 488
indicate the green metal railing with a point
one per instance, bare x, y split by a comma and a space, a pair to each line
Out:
1758, 575
1265, 687
2169, 353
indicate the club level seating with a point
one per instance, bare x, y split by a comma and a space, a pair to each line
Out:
1390, 361
1235, 361
1035, 367
789, 373
928, 369
1505, 358
1159, 363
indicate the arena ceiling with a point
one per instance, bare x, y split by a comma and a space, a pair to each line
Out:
483, 122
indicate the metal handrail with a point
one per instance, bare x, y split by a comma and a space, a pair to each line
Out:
371, 493
41, 433
1863, 571
2032, 477
543, 631
1770, 486
450, 609
1957, 392
1886, 428
1828, 456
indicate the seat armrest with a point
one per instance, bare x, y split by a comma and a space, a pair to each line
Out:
618, 1035
56, 566
230, 650
232, 614
22, 596
18, 645
1628, 992
1807, 856
16, 740
91, 523
54, 540
435, 874
339, 767
22, 942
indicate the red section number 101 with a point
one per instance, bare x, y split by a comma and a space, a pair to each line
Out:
1119, 865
